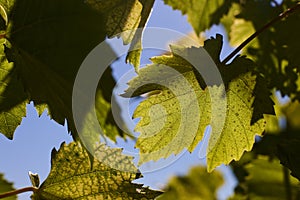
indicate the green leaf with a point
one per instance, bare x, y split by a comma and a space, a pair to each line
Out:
126, 19
12, 102
265, 180
288, 153
72, 176
275, 50
291, 113
6, 186
123, 16
170, 114
202, 14
134, 54
164, 135
46, 46
197, 185
240, 31
3, 14
135, 51
228, 19
237, 135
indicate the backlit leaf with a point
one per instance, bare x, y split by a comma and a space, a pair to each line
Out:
72, 176
126, 19
289, 156
12, 102
170, 114
275, 50
265, 180
45, 46
201, 13
197, 185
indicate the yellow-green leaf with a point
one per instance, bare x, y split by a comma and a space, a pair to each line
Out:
201, 13
166, 115
126, 19
197, 185
177, 110
73, 177
12, 103
265, 180
238, 134
241, 29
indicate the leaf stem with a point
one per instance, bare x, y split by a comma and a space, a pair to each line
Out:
19, 191
265, 27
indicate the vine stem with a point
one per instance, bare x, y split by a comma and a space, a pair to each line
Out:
265, 27
19, 191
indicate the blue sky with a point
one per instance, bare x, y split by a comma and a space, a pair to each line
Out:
37, 136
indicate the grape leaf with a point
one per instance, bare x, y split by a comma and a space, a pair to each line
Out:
291, 113
238, 135
162, 138
269, 174
6, 186
126, 19
228, 19
46, 45
202, 14
275, 50
283, 141
134, 54
12, 103
288, 153
240, 31
197, 185
170, 117
73, 177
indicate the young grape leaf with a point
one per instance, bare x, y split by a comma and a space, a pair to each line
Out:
73, 177
126, 19
197, 185
6, 186
46, 46
266, 173
202, 14
170, 114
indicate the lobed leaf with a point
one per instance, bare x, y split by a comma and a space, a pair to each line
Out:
170, 118
73, 177
45, 46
